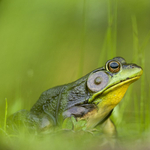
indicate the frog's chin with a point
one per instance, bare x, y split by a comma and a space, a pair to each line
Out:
121, 83
96, 98
113, 95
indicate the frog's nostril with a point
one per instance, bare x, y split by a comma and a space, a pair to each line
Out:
132, 65
135, 66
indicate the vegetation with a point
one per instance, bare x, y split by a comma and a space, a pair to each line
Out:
48, 43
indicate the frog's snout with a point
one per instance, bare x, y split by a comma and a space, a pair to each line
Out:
139, 70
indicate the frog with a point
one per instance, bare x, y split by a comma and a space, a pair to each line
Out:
93, 98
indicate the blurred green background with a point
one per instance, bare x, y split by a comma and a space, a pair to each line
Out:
44, 43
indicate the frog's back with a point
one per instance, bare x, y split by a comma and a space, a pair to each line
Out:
48, 101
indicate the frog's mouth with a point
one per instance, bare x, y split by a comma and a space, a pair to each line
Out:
112, 88
107, 100
122, 82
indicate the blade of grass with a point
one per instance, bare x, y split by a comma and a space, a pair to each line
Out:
115, 30
135, 39
139, 53
5, 115
109, 31
136, 57
103, 52
110, 41
80, 72
143, 81
144, 44
136, 111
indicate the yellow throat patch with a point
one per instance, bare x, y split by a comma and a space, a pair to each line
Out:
106, 102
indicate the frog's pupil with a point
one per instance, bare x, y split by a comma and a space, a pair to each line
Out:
114, 65
98, 80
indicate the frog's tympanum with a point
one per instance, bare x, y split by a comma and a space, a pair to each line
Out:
92, 97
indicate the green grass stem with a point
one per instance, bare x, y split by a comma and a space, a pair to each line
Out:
80, 72
110, 41
143, 81
103, 52
139, 54
109, 31
136, 58
115, 29
5, 119
135, 39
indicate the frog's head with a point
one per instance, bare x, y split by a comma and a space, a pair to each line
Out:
103, 88
109, 84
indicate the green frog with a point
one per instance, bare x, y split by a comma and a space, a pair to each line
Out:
92, 98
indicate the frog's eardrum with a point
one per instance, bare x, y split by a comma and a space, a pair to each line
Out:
97, 81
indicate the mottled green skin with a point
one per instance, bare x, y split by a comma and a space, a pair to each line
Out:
58, 99
57, 103
51, 104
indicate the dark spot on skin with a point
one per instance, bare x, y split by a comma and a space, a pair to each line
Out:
85, 102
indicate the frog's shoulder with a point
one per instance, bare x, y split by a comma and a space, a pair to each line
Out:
46, 98
52, 92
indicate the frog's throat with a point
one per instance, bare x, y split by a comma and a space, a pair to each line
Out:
106, 102
113, 95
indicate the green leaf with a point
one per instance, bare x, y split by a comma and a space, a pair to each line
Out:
73, 121
67, 124
80, 125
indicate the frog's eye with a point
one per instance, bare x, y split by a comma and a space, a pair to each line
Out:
97, 81
114, 66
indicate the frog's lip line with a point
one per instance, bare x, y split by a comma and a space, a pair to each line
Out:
121, 83
116, 85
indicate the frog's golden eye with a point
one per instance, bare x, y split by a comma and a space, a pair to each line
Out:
97, 81
114, 66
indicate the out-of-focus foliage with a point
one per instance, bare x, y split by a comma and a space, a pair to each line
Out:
44, 43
